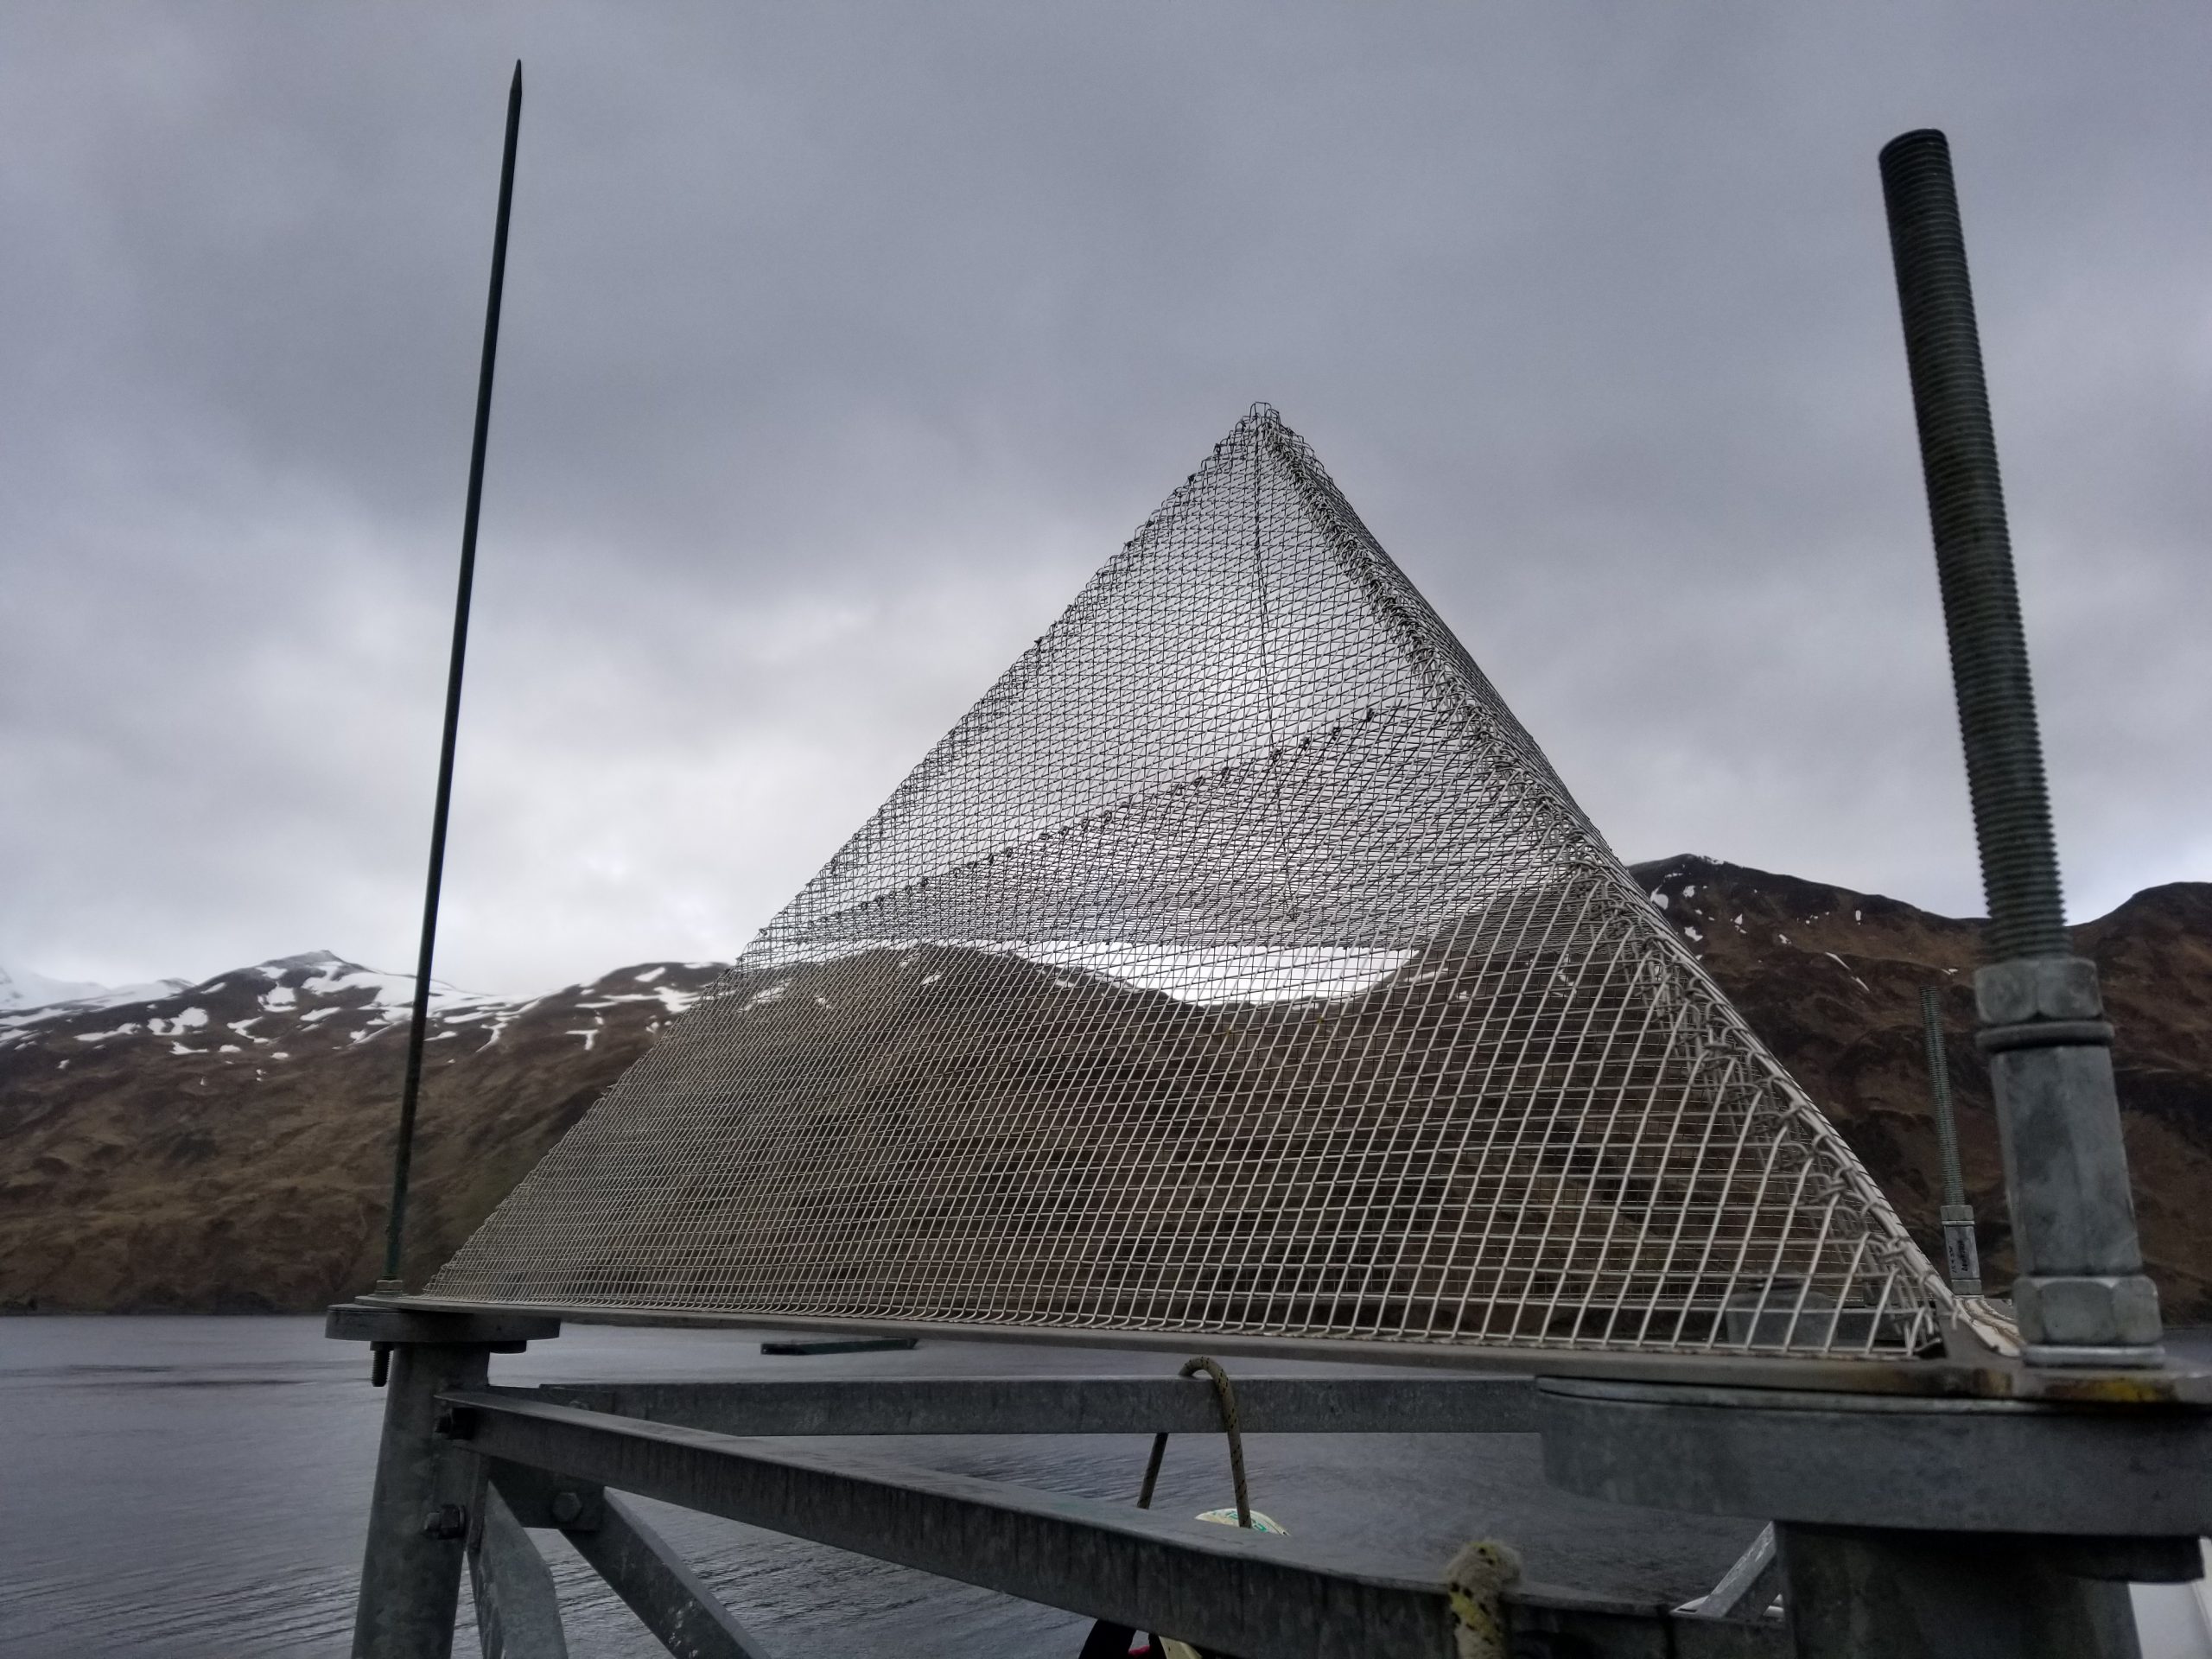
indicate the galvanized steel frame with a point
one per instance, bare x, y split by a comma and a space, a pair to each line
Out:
553, 1452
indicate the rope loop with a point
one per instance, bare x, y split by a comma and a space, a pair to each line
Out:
1224, 1396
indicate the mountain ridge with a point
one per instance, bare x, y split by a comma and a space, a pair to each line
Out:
22, 991
227, 1144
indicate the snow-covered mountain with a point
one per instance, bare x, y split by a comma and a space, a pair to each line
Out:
22, 989
315, 996
228, 1144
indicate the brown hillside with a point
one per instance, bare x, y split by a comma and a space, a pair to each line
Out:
153, 1157
240, 1157
1831, 980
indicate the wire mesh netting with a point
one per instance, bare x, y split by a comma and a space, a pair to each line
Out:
1237, 964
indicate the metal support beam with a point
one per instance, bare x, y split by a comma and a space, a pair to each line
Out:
1223, 1589
418, 1518
2116, 1473
1984, 1373
518, 1610
1060, 1405
1936, 1596
660, 1587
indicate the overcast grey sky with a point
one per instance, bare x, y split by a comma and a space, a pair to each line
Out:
843, 341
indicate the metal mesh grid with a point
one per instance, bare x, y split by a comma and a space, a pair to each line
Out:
1237, 964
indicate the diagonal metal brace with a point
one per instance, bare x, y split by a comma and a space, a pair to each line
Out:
1222, 1589
517, 1611
671, 1600
659, 1585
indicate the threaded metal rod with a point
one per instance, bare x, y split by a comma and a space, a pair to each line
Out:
1962, 1254
1973, 552
1939, 1078
2082, 1297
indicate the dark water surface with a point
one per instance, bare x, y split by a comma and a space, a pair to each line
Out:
198, 1485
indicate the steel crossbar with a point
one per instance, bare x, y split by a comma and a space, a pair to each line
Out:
1056, 1405
1224, 1590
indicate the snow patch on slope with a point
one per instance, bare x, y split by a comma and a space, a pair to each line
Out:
22, 991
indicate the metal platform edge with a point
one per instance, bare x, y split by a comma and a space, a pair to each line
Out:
1990, 1377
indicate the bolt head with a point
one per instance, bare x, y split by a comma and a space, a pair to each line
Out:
454, 1422
447, 1522
567, 1507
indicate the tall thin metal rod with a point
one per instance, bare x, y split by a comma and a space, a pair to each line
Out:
1962, 1255
403, 1152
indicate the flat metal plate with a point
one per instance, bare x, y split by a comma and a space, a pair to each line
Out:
404, 1322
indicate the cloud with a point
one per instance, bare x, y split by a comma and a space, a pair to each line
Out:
843, 342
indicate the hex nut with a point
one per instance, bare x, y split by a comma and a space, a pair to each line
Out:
567, 1507
2116, 1311
447, 1522
2038, 987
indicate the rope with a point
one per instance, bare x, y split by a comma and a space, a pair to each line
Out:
1110, 1641
1225, 1395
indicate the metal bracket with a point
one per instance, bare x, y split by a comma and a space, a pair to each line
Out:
544, 1500
499, 1330
1748, 1588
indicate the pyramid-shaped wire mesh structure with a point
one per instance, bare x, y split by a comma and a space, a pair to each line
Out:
1237, 964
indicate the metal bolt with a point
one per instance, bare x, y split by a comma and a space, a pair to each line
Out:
1973, 552
447, 1522
567, 1507
2081, 1297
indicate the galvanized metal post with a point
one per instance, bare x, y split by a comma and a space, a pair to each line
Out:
419, 1515
2082, 1297
1961, 1257
418, 1519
